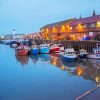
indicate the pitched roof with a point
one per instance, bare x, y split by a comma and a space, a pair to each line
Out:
58, 23
86, 20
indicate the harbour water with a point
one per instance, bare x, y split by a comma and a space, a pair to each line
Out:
45, 76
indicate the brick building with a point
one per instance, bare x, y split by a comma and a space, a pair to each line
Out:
72, 29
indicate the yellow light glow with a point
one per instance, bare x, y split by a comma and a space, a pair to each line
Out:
47, 30
54, 63
46, 33
80, 27
62, 67
54, 30
98, 24
97, 79
63, 29
68, 28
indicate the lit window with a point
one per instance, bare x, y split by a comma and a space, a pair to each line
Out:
70, 28
84, 26
98, 24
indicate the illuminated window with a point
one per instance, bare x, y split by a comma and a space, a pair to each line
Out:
84, 26
70, 28
54, 30
98, 24
63, 29
47, 30
80, 27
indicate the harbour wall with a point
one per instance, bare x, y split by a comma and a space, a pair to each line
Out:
77, 45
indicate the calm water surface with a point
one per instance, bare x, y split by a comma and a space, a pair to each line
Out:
44, 77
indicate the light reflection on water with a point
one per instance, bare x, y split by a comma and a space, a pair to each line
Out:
44, 76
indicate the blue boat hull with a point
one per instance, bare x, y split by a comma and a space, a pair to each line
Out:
34, 51
68, 59
45, 50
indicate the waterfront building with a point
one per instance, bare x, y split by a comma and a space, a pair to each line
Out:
35, 35
73, 29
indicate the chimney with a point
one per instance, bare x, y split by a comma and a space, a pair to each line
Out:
94, 14
80, 17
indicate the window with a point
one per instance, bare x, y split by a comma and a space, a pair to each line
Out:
92, 25
84, 26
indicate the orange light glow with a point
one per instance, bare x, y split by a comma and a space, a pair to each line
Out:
68, 28
80, 71
80, 27
63, 29
47, 30
54, 30
54, 62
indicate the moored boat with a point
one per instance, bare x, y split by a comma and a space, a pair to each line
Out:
69, 55
44, 48
54, 48
34, 50
61, 47
14, 44
83, 53
95, 54
22, 50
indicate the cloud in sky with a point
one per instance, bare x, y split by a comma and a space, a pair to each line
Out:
29, 15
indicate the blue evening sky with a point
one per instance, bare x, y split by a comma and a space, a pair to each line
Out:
28, 16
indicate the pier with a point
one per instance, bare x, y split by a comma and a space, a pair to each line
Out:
77, 45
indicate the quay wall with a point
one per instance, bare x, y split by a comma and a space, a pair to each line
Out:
77, 45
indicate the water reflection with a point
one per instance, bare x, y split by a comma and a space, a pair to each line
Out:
89, 69
34, 58
22, 59
55, 61
44, 57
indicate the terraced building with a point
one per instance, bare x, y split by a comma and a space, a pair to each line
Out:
72, 29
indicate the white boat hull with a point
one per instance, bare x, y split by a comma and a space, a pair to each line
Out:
94, 56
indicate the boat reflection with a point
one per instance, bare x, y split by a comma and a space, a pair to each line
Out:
55, 60
22, 59
44, 57
89, 69
34, 58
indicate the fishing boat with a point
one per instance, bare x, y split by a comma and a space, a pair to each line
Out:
22, 50
61, 47
26, 42
83, 53
95, 54
34, 49
14, 44
69, 55
44, 48
54, 48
